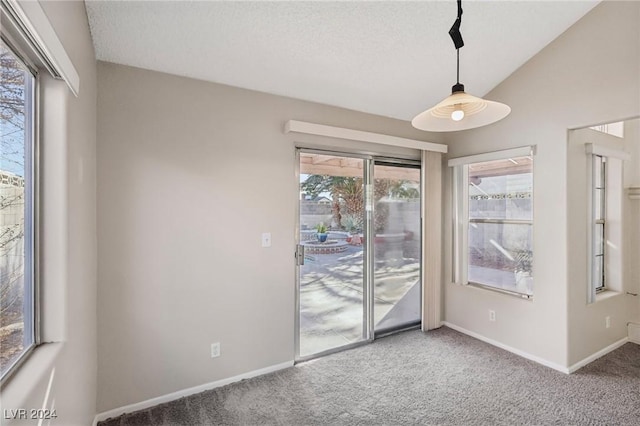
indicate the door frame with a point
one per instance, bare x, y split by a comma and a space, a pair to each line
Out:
368, 256
367, 284
412, 164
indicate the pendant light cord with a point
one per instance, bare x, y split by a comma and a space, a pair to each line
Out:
458, 66
459, 19
456, 37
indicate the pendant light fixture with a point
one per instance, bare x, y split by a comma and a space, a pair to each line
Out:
460, 111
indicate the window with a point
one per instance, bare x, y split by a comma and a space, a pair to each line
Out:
17, 285
494, 221
605, 232
30, 48
599, 221
613, 129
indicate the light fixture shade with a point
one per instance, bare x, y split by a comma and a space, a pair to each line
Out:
477, 113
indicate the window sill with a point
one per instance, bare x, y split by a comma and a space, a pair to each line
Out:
606, 294
497, 290
29, 375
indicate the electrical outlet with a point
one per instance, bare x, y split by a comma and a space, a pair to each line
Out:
492, 315
215, 350
607, 322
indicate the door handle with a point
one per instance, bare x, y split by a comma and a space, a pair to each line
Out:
299, 254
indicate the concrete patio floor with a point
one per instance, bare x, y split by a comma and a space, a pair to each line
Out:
331, 297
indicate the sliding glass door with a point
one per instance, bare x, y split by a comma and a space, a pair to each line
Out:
332, 291
396, 272
358, 252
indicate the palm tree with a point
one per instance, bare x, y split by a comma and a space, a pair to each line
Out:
345, 190
347, 194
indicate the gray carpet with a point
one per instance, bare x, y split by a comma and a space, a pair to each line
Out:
441, 377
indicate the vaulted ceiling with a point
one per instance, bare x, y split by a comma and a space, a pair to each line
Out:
389, 58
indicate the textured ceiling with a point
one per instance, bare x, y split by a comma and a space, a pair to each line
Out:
389, 58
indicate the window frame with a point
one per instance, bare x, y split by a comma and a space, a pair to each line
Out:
612, 212
461, 219
599, 223
29, 33
31, 209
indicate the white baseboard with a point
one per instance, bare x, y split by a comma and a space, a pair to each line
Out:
598, 354
186, 392
557, 367
523, 354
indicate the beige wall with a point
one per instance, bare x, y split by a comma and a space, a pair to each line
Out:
63, 374
632, 218
588, 75
588, 332
178, 270
189, 175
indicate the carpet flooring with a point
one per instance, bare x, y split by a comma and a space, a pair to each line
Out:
437, 378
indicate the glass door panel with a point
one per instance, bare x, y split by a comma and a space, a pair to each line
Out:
332, 293
397, 292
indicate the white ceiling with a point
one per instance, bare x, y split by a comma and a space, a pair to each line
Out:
389, 58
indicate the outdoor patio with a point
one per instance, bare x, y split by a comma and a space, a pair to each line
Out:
331, 297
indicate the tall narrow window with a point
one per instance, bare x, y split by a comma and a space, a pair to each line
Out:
605, 212
493, 238
599, 220
17, 290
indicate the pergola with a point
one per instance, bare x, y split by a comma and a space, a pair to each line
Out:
320, 164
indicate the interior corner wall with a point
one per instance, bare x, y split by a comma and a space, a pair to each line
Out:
632, 218
190, 174
588, 75
587, 325
67, 379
